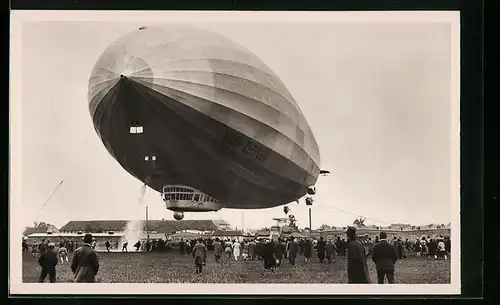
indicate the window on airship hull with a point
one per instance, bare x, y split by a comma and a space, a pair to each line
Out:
136, 129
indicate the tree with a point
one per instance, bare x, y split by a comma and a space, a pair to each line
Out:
38, 227
324, 227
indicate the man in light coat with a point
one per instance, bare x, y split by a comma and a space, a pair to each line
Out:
85, 263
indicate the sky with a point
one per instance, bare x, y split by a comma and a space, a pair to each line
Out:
377, 97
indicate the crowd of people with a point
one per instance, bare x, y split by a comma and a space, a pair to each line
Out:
84, 264
383, 252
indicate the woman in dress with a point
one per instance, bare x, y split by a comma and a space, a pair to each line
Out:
236, 249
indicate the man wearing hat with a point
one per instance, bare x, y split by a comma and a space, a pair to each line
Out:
85, 262
330, 251
48, 261
357, 270
384, 256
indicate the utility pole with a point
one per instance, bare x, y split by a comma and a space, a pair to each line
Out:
242, 222
310, 225
147, 224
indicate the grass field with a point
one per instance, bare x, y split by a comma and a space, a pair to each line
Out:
170, 267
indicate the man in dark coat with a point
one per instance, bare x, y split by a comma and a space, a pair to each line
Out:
330, 251
292, 250
217, 250
279, 250
343, 247
357, 269
301, 245
85, 264
259, 249
384, 256
401, 249
251, 249
42, 247
107, 244
48, 261
25, 246
307, 250
268, 255
181, 246
321, 248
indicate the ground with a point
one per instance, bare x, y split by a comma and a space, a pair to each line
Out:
171, 267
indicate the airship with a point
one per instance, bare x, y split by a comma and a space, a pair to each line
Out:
201, 120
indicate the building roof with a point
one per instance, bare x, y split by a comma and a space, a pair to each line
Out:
42, 230
220, 222
227, 233
161, 226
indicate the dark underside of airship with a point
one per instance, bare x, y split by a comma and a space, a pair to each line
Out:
180, 145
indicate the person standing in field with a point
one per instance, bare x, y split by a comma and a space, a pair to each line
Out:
236, 249
279, 251
181, 247
357, 269
85, 263
417, 248
292, 250
268, 255
307, 250
42, 247
320, 249
229, 249
25, 245
330, 251
384, 256
48, 261
217, 250
107, 244
63, 254
441, 250
251, 249
245, 250
34, 249
199, 253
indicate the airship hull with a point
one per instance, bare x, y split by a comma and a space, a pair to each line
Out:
205, 129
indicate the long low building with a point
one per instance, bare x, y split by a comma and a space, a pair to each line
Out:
407, 232
117, 232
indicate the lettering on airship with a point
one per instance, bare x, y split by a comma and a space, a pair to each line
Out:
255, 151
247, 146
